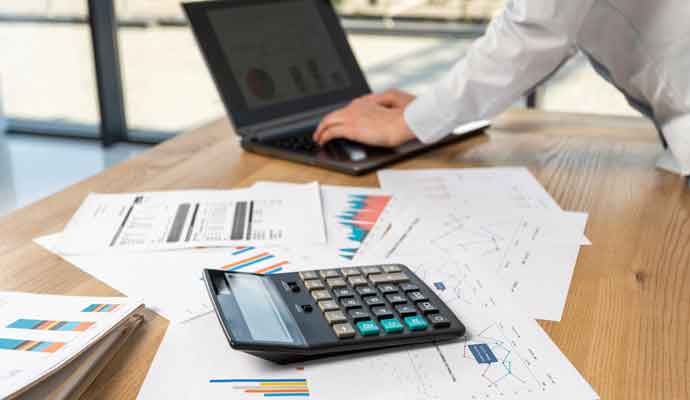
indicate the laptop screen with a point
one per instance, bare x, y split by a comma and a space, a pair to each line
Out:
276, 58
278, 52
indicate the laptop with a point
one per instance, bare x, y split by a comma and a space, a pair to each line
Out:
280, 66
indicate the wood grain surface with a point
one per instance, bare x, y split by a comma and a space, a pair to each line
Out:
626, 325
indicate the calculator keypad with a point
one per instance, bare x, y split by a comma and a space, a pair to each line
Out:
372, 300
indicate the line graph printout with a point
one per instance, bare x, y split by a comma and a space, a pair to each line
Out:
506, 355
469, 188
531, 253
187, 219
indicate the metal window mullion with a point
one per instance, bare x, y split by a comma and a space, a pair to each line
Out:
103, 24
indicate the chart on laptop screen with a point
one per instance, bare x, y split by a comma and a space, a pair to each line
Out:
273, 61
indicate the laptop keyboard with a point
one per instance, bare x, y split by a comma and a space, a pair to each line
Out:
298, 143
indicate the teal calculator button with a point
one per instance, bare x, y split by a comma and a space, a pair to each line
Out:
416, 323
391, 325
367, 328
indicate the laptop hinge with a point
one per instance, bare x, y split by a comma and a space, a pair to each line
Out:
285, 125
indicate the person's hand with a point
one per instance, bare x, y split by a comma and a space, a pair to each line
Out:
376, 119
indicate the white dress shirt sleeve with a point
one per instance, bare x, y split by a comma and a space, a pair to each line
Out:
527, 41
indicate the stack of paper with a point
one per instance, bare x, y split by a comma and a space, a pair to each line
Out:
40, 334
492, 243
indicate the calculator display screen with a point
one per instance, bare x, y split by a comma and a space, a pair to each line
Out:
264, 316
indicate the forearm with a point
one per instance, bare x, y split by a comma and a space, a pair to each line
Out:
522, 45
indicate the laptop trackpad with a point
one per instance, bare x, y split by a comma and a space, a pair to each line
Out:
354, 151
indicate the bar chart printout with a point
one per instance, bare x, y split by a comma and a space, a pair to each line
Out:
357, 218
284, 388
254, 260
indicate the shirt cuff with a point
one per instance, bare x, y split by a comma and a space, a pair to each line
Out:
429, 120
677, 134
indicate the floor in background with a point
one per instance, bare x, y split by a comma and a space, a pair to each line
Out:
33, 167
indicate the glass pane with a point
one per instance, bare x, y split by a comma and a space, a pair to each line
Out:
46, 67
167, 85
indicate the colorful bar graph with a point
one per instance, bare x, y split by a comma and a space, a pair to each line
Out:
254, 260
361, 213
30, 345
269, 387
101, 308
45, 325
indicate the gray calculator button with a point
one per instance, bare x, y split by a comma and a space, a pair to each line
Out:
391, 268
382, 312
330, 273
388, 288
358, 315
389, 278
343, 292
406, 310
336, 282
350, 302
335, 317
328, 305
357, 280
427, 307
371, 270
409, 287
373, 301
343, 331
321, 295
417, 296
350, 271
366, 291
308, 275
396, 298
313, 284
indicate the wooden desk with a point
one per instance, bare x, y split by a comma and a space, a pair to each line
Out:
626, 325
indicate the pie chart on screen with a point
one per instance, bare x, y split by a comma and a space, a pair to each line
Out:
260, 83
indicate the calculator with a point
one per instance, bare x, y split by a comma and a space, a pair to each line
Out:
292, 317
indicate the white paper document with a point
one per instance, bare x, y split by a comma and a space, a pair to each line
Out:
506, 355
195, 361
491, 189
530, 253
41, 333
187, 219
170, 282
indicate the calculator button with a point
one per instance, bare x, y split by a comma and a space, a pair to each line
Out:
305, 275
357, 281
408, 287
391, 325
382, 312
406, 310
328, 305
439, 321
391, 268
343, 292
350, 302
321, 295
373, 301
396, 298
350, 271
334, 317
336, 282
307, 308
371, 270
427, 308
367, 328
417, 296
358, 315
366, 291
416, 323
388, 288
330, 273
313, 284
389, 278
343, 331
